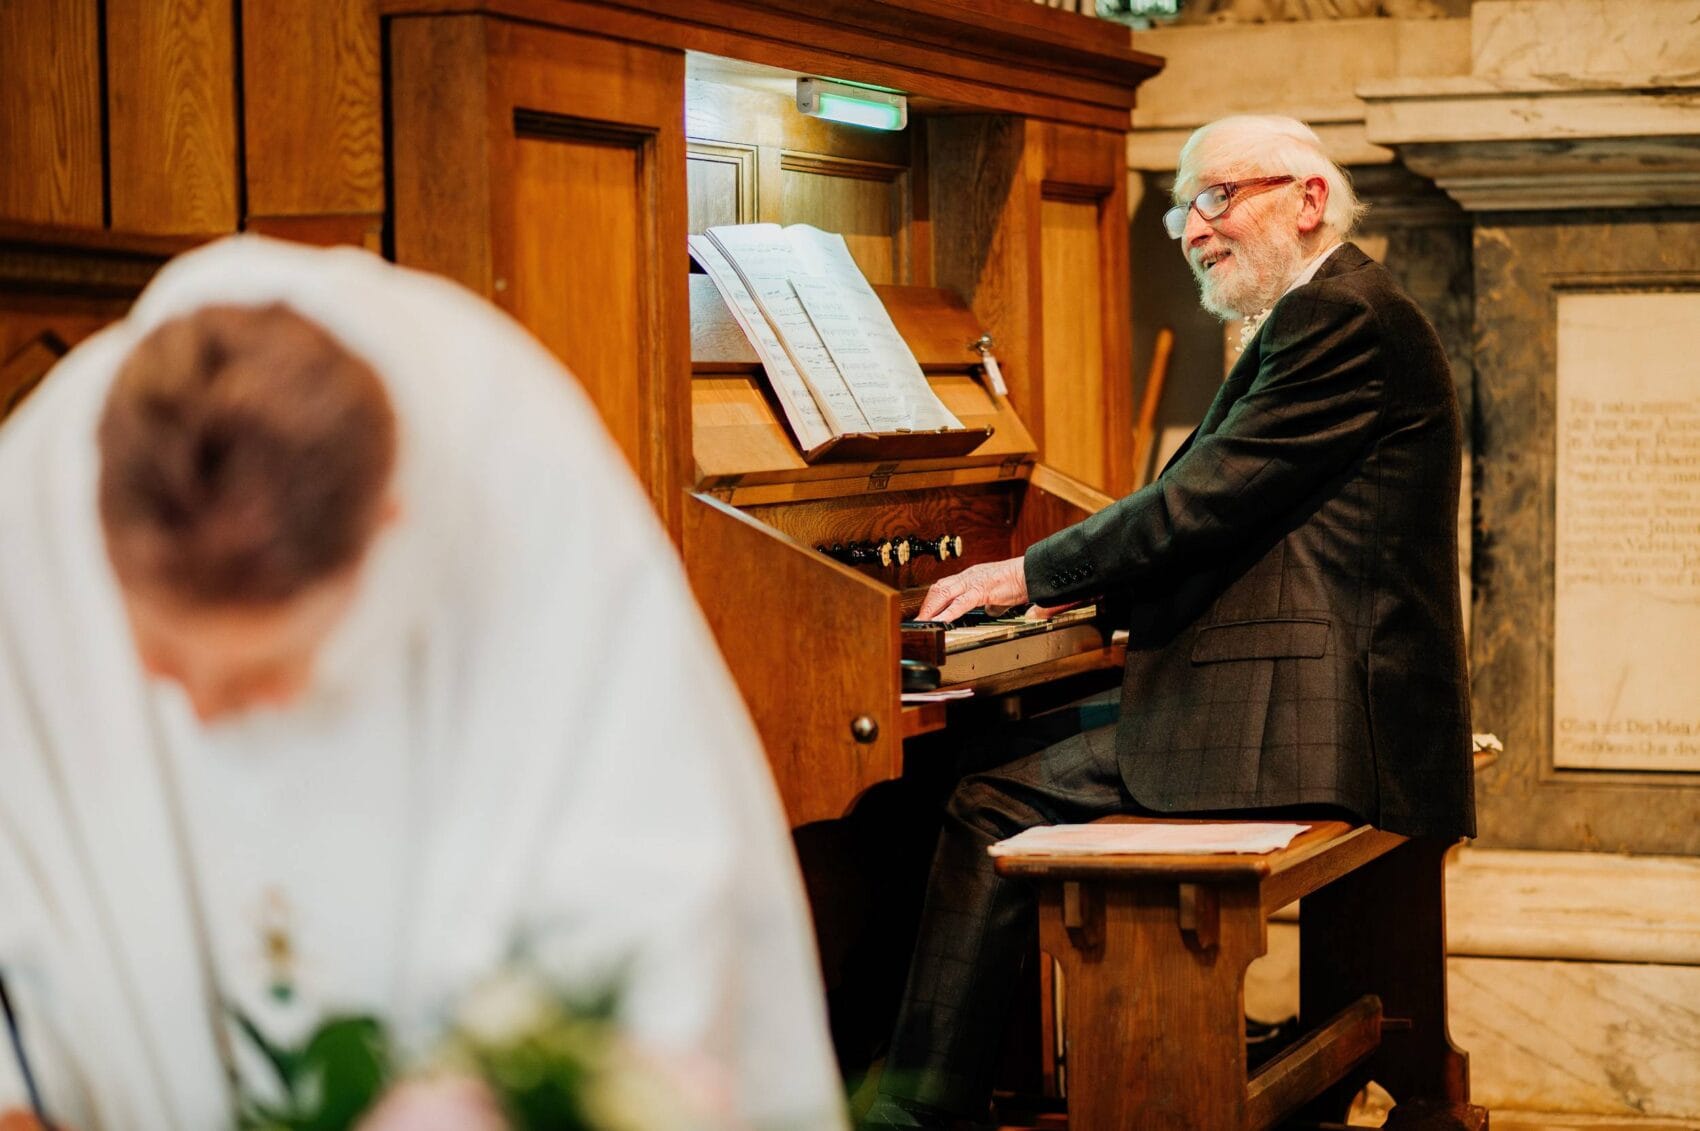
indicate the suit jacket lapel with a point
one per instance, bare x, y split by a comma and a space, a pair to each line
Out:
1348, 257
1235, 384
1239, 379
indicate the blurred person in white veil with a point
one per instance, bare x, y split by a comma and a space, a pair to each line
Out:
339, 655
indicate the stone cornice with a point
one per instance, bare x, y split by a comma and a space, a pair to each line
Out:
1310, 70
1565, 108
1473, 108
1516, 175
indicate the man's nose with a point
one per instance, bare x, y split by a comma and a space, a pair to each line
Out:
1197, 228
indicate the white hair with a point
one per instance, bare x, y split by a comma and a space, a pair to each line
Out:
1252, 145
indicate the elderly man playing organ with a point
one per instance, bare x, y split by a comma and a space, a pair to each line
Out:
1289, 580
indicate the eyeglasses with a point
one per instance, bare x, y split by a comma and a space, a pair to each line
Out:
1215, 201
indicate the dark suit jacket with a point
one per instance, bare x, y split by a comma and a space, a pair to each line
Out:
1292, 576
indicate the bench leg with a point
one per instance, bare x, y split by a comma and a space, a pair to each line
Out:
1154, 980
1382, 930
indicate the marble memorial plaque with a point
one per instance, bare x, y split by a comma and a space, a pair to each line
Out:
1626, 632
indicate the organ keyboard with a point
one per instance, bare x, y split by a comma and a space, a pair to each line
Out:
981, 645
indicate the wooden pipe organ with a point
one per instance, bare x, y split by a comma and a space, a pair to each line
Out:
555, 156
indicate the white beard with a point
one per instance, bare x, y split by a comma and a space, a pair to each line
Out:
1252, 276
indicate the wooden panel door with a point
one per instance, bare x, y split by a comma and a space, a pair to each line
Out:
50, 121
815, 650
546, 170
1074, 437
312, 115
864, 201
171, 115
578, 259
1087, 356
1028, 222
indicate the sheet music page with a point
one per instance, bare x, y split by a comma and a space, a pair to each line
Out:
764, 260
882, 399
826, 254
801, 411
1149, 838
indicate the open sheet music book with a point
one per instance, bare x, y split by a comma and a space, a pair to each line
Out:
836, 362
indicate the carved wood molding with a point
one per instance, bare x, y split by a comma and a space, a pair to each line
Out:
81, 261
1072, 192
827, 165
564, 127
743, 160
23, 371
1002, 54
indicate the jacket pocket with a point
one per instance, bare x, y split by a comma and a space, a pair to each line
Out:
1261, 640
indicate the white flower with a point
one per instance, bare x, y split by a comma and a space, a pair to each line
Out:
505, 1007
1250, 326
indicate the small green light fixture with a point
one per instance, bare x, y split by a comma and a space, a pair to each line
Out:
852, 105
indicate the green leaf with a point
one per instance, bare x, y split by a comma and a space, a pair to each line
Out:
285, 1063
348, 1060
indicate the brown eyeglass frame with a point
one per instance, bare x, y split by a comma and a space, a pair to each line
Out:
1174, 220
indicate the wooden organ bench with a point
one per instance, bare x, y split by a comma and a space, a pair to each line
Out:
1153, 951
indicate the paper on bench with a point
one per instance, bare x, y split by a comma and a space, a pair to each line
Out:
1146, 838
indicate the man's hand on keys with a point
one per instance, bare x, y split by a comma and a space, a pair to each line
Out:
993, 584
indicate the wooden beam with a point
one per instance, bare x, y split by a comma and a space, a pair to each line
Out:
1302, 1072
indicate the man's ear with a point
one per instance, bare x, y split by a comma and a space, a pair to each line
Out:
1314, 204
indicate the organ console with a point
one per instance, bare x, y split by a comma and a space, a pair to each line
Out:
832, 559
555, 156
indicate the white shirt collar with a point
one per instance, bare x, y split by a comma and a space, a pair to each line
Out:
1310, 269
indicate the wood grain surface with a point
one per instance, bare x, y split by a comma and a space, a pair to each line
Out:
171, 109
51, 171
